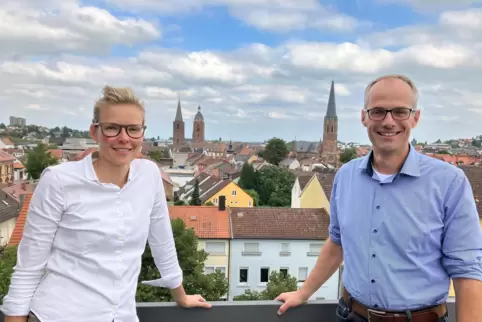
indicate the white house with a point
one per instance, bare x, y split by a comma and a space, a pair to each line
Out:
300, 183
290, 163
277, 239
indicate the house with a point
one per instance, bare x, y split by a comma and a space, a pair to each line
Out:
277, 239
211, 187
168, 185
6, 167
9, 209
290, 163
6, 143
312, 190
211, 226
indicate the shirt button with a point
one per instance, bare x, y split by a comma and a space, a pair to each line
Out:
378, 207
376, 305
375, 230
373, 255
373, 281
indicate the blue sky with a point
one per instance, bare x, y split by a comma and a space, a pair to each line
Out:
258, 68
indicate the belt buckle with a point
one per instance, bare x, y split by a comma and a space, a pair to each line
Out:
371, 311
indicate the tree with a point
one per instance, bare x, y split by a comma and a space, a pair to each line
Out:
8, 259
212, 286
254, 194
195, 200
247, 178
274, 186
347, 155
278, 283
3, 126
38, 159
275, 151
155, 155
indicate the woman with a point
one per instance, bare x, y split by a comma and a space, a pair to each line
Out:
87, 226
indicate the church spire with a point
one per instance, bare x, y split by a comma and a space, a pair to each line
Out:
331, 110
178, 111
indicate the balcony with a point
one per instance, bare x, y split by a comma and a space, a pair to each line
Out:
253, 311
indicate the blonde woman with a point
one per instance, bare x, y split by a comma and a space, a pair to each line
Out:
87, 227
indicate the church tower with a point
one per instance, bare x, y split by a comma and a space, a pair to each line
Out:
178, 127
329, 153
198, 127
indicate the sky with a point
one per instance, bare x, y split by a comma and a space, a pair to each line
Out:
258, 68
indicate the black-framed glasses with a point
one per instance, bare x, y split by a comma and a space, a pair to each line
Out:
398, 113
110, 130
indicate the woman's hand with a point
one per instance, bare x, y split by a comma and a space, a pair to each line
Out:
189, 301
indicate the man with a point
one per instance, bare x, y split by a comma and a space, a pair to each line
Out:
404, 224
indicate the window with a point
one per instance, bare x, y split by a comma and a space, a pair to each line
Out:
215, 248
222, 269
208, 270
243, 275
302, 274
285, 249
233, 192
284, 271
215, 201
315, 249
264, 275
249, 203
251, 249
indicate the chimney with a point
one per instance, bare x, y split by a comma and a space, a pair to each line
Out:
222, 203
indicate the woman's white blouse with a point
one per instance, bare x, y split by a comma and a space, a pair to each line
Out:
80, 255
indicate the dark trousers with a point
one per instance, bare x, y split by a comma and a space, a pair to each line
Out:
344, 313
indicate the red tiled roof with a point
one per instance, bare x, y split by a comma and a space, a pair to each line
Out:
17, 165
207, 222
280, 223
474, 174
21, 219
326, 181
5, 157
6, 141
56, 153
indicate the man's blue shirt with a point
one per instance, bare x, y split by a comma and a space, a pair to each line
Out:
404, 239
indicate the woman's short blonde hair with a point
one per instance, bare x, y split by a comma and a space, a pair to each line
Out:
117, 96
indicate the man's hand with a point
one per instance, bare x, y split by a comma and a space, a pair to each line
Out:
189, 301
290, 299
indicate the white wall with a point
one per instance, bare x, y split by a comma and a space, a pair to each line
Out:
298, 257
295, 195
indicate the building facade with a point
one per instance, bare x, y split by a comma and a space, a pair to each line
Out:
198, 127
277, 239
178, 127
6, 167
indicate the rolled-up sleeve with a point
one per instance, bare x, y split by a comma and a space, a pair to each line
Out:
334, 229
44, 213
161, 240
462, 237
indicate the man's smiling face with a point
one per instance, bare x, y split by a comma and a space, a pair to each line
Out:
390, 133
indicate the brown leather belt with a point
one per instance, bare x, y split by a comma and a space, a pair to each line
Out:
431, 314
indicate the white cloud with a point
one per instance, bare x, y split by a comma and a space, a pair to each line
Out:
247, 91
272, 15
28, 29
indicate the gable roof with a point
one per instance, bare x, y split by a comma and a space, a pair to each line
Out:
5, 157
9, 207
304, 178
474, 174
279, 223
21, 219
326, 180
207, 222
221, 184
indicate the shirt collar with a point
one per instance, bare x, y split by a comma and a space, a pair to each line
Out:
410, 167
90, 171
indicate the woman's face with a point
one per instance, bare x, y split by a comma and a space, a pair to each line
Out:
119, 133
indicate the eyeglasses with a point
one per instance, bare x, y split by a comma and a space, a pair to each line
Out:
398, 113
111, 130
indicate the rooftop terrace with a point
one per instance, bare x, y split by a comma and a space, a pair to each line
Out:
253, 311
